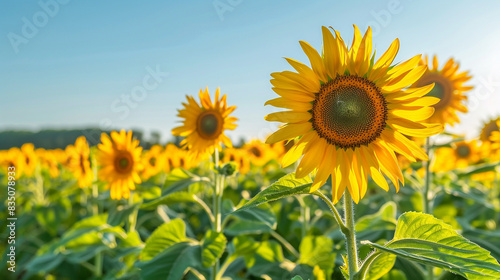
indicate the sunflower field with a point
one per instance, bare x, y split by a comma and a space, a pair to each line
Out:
360, 181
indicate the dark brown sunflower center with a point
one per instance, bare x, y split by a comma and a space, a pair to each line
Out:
232, 158
488, 129
255, 151
349, 111
123, 162
209, 125
152, 161
82, 164
442, 88
463, 151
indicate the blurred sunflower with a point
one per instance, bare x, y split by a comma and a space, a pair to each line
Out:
13, 158
120, 161
459, 155
258, 152
153, 161
239, 157
448, 87
203, 126
171, 157
30, 159
78, 160
49, 161
495, 142
488, 128
351, 114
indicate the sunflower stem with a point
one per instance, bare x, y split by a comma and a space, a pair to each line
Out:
305, 213
95, 212
350, 235
425, 194
426, 207
336, 214
132, 219
219, 188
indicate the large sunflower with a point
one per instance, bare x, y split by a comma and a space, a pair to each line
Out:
351, 114
203, 126
448, 87
120, 161
78, 158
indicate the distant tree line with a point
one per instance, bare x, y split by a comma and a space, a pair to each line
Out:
53, 139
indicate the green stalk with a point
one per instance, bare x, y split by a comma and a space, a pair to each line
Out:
132, 219
350, 235
95, 212
219, 181
425, 194
305, 212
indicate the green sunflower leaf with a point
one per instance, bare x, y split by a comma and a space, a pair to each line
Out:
212, 247
163, 237
423, 238
286, 186
171, 263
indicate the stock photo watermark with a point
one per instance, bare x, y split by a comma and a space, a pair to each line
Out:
224, 6
11, 218
31, 26
123, 105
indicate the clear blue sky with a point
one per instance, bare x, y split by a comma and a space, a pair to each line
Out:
76, 62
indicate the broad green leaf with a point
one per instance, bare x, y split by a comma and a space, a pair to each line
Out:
84, 254
262, 213
242, 245
179, 179
163, 237
297, 277
317, 250
172, 262
246, 227
213, 246
425, 239
380, 266
118, 216
169, 199
286, 186
44, 263
268, 254
398, 275
376, 224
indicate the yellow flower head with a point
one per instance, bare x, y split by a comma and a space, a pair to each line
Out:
350, 114
120, 162
495, 143
448, 87
459, 155
30, 159
153, 161
49, 161
259, 153
13, 158
203, 125
488, 129
78, 162
239, 157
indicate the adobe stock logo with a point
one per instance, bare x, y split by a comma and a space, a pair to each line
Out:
31, 27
